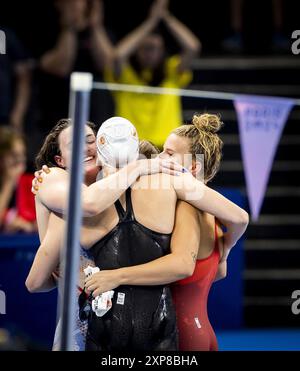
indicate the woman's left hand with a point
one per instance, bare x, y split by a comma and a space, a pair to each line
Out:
102, 281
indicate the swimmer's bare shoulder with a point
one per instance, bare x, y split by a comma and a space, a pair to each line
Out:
54, 189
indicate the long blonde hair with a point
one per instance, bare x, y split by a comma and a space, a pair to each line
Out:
204, 139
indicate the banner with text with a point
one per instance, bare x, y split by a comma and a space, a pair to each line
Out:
261, 122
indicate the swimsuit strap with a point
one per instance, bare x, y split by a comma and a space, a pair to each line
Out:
129, 209
120, 210
128, 214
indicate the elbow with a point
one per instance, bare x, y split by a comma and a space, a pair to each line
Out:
186, 269
32, 285
197, 47
222, 271
89, 208
244, 218
240, 219
59, 70
222, 274
189, 271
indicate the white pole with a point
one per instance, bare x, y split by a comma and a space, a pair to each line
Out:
81, 85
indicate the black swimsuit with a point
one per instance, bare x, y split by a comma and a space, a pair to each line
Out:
141, 317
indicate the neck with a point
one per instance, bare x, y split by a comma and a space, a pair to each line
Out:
91, 176
88, 180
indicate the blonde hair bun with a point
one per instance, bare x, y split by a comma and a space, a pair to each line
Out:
207, 122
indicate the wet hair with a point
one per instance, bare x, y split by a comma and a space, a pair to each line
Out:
50, 147
147, 149
204, 139
7, 138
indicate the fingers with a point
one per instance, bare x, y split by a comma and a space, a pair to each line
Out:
172, 165
91, 288
172, 168
46, 169
38, 176
38, 179
94, 289
35, 186
170, 172
90, 281
97, 293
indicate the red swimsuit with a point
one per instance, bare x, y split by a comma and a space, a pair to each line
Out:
190, 297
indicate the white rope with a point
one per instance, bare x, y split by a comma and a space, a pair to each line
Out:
171, 91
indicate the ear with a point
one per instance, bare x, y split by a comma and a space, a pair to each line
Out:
60, 162
195, 168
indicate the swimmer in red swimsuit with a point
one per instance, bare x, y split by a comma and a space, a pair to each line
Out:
190, 294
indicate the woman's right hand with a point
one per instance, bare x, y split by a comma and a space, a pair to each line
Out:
38, 179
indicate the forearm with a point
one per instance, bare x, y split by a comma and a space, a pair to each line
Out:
59, 61
187, 40
102, 49
105, 192
234, 232
39, 279
22, 95
231, 216
196, 193
222, 271
130, 43
162, 271
54, 192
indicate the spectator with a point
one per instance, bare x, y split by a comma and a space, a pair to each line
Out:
15, 82
17, 209
81, 45
140, 59
234, 43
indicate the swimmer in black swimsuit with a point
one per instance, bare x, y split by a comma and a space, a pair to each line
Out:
141, 317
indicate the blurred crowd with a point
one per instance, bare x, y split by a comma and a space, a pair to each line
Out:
82, 43
34, 92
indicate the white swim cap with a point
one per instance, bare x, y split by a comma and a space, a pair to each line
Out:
117, 142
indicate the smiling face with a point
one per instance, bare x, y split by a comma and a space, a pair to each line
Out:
65, 145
